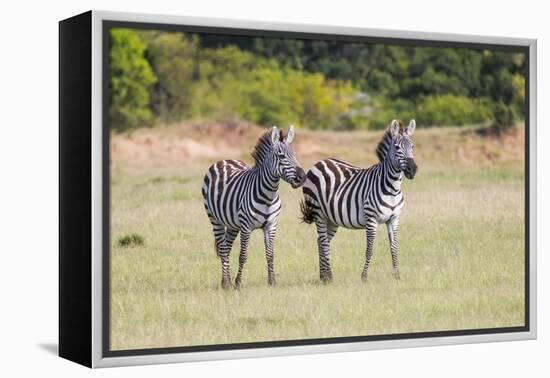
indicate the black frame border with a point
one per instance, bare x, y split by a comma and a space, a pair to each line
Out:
75, 189
106, 219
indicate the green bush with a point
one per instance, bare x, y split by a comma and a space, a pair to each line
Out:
227, 83
168, 77
504, 116
173, 59
130, 80
131, 240
384, 110
445, 110
452, 110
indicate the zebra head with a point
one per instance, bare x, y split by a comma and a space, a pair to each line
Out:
401, 148
287, 166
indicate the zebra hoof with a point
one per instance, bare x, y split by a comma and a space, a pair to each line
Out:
326, 277
226, 283
271, 281
396, 275
364, 277
237, 284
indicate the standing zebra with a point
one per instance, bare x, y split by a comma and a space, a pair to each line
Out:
339, 194
241, 198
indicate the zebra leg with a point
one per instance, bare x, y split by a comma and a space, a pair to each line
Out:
371, 234
269, 237
325, 232
331, 231
218, 230
393, 226
230, 235
243, 256
223, 252
229, 238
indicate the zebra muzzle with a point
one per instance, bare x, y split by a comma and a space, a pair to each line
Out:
300, 178
410, 170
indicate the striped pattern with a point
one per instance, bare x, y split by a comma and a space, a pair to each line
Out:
238, 198
338, 194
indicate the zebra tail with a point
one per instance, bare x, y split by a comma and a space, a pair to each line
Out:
308, 215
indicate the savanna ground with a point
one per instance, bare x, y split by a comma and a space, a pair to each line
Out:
461, 243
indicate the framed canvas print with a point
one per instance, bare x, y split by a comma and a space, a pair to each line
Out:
237, 189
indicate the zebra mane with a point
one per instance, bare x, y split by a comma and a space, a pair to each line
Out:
384, 144
263, 145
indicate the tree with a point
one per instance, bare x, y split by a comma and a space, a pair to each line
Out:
174, 59
313, 83
130, 80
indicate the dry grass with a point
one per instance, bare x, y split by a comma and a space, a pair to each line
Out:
461, 251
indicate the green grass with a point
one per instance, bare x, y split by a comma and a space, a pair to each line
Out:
461, 260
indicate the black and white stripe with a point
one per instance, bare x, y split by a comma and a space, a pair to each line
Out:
338, 194
238, 198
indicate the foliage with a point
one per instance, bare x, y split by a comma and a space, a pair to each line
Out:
442, 110
452, 110
312, 83
227, 82
504, 117
385, 109
173, 59
271, 95
130, 80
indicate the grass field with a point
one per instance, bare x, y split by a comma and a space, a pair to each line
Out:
461, 248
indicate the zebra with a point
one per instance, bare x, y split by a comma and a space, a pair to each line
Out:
338, 194
239, 198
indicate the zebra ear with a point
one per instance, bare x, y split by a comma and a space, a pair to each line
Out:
290, 135
394, 128
410, 129
274, 135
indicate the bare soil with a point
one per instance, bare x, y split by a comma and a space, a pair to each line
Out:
174, 145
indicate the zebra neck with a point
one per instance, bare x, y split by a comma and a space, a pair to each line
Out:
391, 174
267, 181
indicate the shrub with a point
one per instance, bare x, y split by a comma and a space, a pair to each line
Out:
442, 110
131, 240
317, 85
504, 116
173, 59
384, 110
267, 94
130, 80
452, 110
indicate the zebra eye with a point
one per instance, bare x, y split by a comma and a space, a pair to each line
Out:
281, 156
